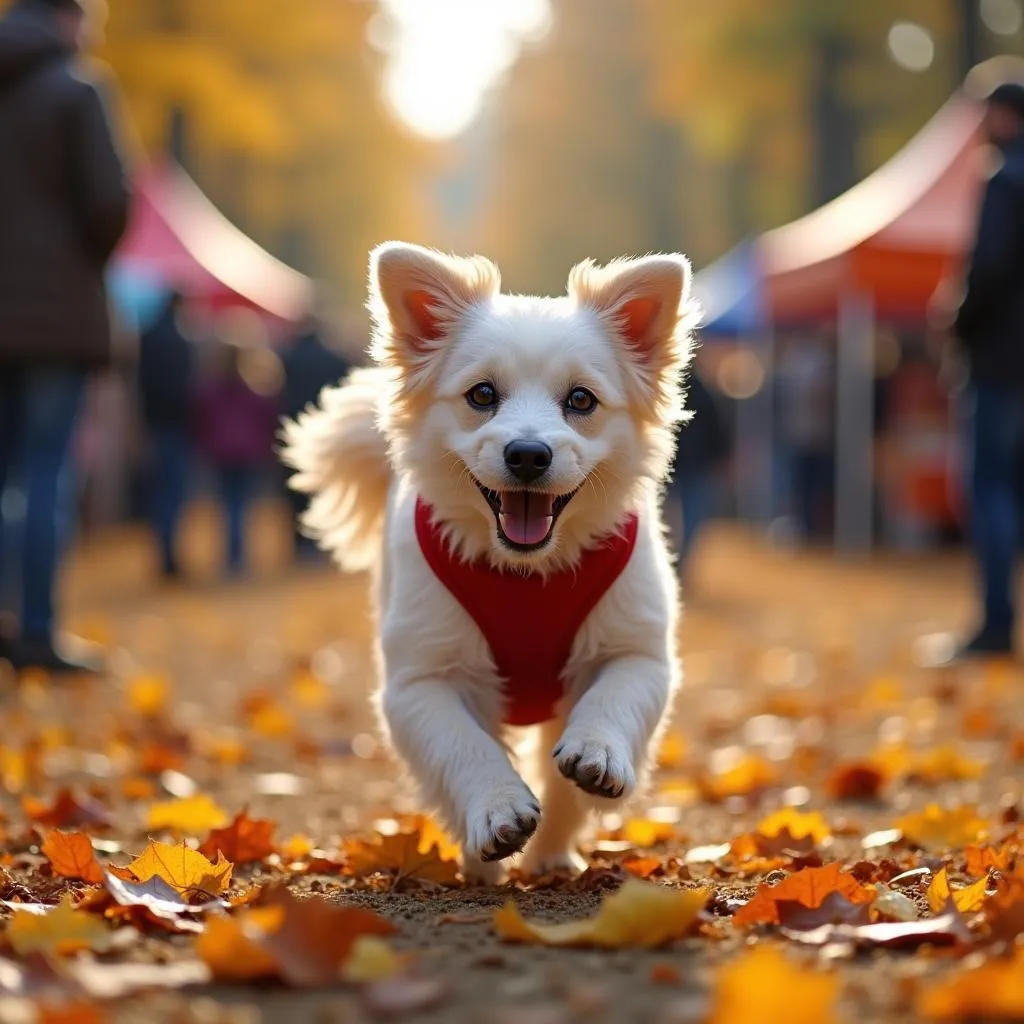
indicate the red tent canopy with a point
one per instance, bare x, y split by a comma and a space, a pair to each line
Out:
179, 237
893, 236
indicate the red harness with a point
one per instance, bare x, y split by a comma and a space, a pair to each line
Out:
529, 621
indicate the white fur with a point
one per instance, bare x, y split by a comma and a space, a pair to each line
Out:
405, 429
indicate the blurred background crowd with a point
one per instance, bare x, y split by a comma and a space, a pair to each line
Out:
821, 162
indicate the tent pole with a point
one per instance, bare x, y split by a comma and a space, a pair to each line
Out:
855, 391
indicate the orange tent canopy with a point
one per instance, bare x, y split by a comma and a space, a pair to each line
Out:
177, 236
894, 236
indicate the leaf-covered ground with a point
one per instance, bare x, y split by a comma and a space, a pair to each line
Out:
214, 834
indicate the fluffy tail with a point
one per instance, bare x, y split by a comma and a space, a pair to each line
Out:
340, 458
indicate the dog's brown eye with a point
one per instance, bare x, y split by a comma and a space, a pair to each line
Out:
581, 400
482, 396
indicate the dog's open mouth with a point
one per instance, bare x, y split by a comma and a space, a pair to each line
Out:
526, 519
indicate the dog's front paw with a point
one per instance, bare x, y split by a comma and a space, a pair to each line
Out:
501, 824
599, 766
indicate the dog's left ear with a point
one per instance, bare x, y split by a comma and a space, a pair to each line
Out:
643, 299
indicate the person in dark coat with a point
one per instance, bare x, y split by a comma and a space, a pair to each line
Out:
704, 444
165, 399
63, 208
309, 366
990, 329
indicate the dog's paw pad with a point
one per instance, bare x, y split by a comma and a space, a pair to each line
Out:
596, 766
502, 829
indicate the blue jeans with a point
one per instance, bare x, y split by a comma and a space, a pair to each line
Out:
236, 487
168, 476
996, 421
38, 410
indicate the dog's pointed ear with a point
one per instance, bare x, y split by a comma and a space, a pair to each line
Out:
646, 304
417, 297
644, 300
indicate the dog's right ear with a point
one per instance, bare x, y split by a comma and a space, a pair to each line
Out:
417, 297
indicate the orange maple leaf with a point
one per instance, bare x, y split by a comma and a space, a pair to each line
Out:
67, 809
71, 855
981, 859
303, 942
808, 887
992, 991
243, 841
401, 855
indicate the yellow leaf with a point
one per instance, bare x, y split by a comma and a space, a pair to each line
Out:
749, 775
799, 824
644, 832
938, 829
61, 932
272, 722
371, 959
148, 695
296, 847
993, 991
233, 947
401, 854
309, 691
192, 815
966, 900
639, 914
946, 764
763, 986
673, 751
183, 868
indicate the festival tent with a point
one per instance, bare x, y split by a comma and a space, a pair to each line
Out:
178, 238
891, 239
731, 294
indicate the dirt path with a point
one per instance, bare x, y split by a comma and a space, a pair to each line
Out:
795, 660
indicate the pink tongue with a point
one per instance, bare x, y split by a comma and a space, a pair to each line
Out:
526, 516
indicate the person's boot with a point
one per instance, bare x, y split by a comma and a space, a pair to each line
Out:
68, 655
987, 643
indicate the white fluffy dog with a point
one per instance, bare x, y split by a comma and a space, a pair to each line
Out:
500, 469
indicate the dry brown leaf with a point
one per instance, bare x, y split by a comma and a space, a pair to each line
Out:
243, 841
857, 780
966, 900
763, 986
640, 914
60, 932
809, 887
190, 815
183, 868
835, 908
72, 856
302, 942
68, 809
401, 856
992, 991
937, 829
1004, 912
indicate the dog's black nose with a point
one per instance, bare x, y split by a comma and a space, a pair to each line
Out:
527, 460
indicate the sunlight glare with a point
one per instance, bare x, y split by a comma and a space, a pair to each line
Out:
445, 55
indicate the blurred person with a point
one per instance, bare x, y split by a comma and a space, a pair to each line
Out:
235, 429
704, 445
165, 393
990, 328
63, 209
806, 383
309, 366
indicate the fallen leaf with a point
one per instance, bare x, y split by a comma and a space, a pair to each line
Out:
302, 942
71, 855
980, 860
186, 870
966, 900
808, 887
68, 810
401, 856
945, 764
673, 751
895, 905
642, 867
148, 695
644, 832
835, 908
296, 847
243, 841
116, 981
763, 986
62, 932
156, 895
70, 1013
857, 780
191, 815
799, 825
948, 929
1004, 912
639, 914
372, 959
272, 722
991, 991
401, 996
938, 829
748, 776
138, 788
